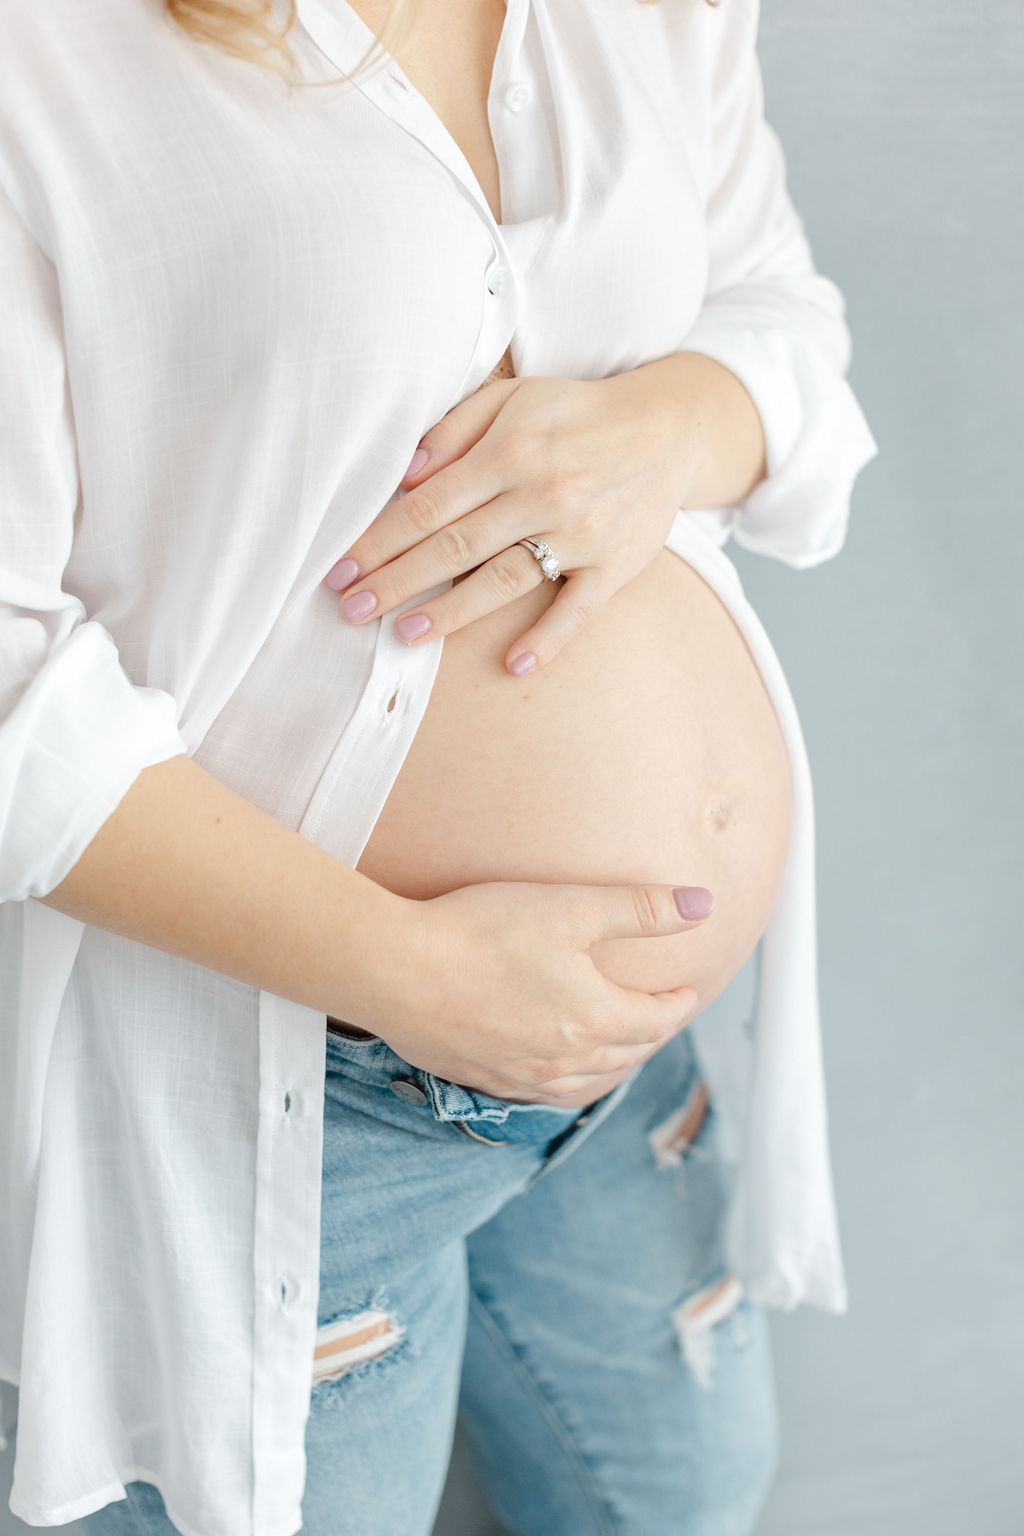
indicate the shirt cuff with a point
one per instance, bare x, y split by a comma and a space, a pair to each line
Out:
816, 439
71, 748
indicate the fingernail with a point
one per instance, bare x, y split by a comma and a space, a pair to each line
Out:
524, 663
341, 575
417, 461
693, 901
411, 625
359, 606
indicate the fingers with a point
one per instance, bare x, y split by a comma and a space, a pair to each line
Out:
457, 431
644, 911
508, 575
580, 598
654, 1017
484, 544
612, 1063
420, 514
640, 1023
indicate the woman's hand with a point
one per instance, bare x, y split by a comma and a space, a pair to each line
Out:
598, 469
497, 989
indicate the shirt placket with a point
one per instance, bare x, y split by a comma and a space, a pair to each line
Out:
365, 763
343, 38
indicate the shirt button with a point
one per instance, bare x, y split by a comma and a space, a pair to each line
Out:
518, 96
498, 280
408, 1091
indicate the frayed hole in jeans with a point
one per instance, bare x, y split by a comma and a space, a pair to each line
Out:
341, 1346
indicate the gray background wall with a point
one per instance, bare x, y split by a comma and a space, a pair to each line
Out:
901, 125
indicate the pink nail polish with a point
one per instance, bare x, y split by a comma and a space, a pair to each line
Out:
523, 664
341, 575
411, 625
417, 461
693, 901
359, 606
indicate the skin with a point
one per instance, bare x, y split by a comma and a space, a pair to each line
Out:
609, 461
493, 982
643, 739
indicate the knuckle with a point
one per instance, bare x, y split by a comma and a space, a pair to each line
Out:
543, 1081
572, 1083
579, 609
423, 511
454, 547
604, 1060
559, 488
645, 908
506, 576
527, 1073
507, 454
444, 439
593, 1032
551, 489
560, 1067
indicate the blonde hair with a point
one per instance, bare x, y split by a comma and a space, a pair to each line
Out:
244, 29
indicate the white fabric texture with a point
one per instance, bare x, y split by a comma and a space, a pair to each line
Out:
227, 316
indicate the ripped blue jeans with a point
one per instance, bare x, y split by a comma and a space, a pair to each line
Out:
555, 1274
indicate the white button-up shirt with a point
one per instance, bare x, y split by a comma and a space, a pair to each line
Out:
227, 316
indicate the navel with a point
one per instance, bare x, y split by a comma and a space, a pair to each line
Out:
719, 812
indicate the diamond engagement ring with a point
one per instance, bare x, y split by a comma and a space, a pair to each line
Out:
545, 557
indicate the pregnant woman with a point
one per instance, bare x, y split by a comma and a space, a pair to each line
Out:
391, 766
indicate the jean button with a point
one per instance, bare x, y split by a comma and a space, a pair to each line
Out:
407, 1090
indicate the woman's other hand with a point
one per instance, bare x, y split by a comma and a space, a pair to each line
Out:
596, 468
507, 999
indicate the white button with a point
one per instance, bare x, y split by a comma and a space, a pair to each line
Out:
397, 81
498, 280
518, 96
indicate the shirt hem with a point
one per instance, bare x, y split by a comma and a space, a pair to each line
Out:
90, 1503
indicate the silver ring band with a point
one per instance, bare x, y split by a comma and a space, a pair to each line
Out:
545, 557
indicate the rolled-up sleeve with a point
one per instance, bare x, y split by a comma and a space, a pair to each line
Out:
774, 321
75, 731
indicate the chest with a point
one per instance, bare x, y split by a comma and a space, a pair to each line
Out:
448, 52
341, 242
578, 128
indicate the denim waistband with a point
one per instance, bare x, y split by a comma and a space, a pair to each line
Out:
372, 1060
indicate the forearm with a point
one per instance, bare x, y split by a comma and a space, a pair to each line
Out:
187, 866
701, 406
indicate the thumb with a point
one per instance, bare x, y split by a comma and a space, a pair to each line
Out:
646, 911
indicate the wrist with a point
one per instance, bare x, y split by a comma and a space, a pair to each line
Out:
700, 410
376, 968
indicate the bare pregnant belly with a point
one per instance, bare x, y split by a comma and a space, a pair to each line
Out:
647, 750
